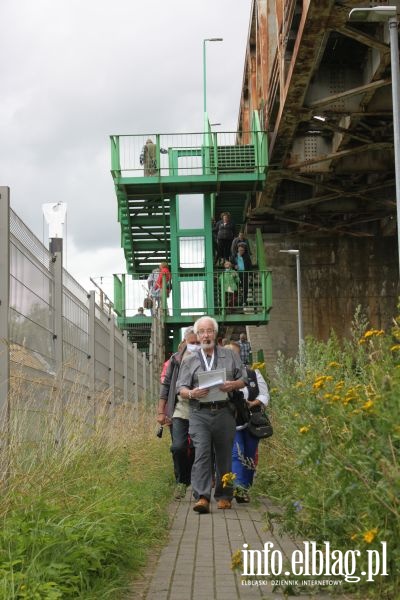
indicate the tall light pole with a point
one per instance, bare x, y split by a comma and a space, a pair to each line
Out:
205, 72
296, 253
389, 14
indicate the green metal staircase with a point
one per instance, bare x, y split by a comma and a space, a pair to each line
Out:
223, 170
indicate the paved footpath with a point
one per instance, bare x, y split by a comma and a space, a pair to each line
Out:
196, 562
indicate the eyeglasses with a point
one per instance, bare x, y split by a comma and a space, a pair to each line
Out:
205, 332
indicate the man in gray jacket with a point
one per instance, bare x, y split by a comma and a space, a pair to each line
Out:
212, 424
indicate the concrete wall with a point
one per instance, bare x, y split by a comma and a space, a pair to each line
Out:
337, 274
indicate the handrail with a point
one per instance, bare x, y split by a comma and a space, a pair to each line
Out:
208, 153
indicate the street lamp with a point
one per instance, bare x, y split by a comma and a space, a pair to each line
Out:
205, 72
389, 14
296, 253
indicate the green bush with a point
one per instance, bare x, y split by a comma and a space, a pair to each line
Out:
333, 461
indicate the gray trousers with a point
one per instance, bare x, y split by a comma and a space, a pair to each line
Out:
212, 433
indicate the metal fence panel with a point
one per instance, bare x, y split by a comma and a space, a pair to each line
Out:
32, 339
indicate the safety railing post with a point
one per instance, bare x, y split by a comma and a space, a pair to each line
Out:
151, 369
4, 333
91, 354
56, 250
135, 380
111, 363
144, 361
125, 365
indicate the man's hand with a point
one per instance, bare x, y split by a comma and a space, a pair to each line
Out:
162, 419
229, 386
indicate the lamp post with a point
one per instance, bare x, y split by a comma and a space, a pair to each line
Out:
296, 253
205, 72
389, 14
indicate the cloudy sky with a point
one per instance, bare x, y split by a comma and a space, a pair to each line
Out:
73, 72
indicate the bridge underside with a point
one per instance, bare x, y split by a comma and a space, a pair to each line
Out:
328, 109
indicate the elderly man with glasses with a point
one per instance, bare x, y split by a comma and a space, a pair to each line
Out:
212, 424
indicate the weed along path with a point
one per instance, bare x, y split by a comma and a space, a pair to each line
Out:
196, 563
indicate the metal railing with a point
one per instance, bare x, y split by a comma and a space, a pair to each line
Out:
220, 293
187, 154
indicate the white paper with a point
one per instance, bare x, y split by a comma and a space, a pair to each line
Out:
209, 379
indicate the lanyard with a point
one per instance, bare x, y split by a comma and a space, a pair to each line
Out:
207, 366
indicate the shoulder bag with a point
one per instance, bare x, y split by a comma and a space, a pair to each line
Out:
259, 425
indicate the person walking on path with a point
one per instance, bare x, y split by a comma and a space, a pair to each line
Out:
172, 410
245, 445
211, 423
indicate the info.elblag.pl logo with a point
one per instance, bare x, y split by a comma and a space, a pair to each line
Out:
311, 561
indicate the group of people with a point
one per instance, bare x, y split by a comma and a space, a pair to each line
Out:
207, 441
234, 254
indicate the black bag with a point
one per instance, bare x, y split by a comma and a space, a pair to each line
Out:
242, 413
259, 425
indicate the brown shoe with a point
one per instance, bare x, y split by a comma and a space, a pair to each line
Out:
202, 506
224, 504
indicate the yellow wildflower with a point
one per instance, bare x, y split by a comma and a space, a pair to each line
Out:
236, 560
327, 396
395, 348
228, 479
354, 537
319, 383
304, 429
258, 365
367, 405
335, 398
339, 385
372, 332
370, 535
333, 364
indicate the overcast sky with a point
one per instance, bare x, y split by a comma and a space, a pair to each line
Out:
72, 72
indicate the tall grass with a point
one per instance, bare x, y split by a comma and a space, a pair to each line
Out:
84, 499
333, 463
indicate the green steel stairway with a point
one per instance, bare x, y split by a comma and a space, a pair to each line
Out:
153, 174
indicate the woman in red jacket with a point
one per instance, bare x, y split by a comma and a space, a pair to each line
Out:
164, 273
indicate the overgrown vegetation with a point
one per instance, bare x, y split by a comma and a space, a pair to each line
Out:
78, 517
332, 464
